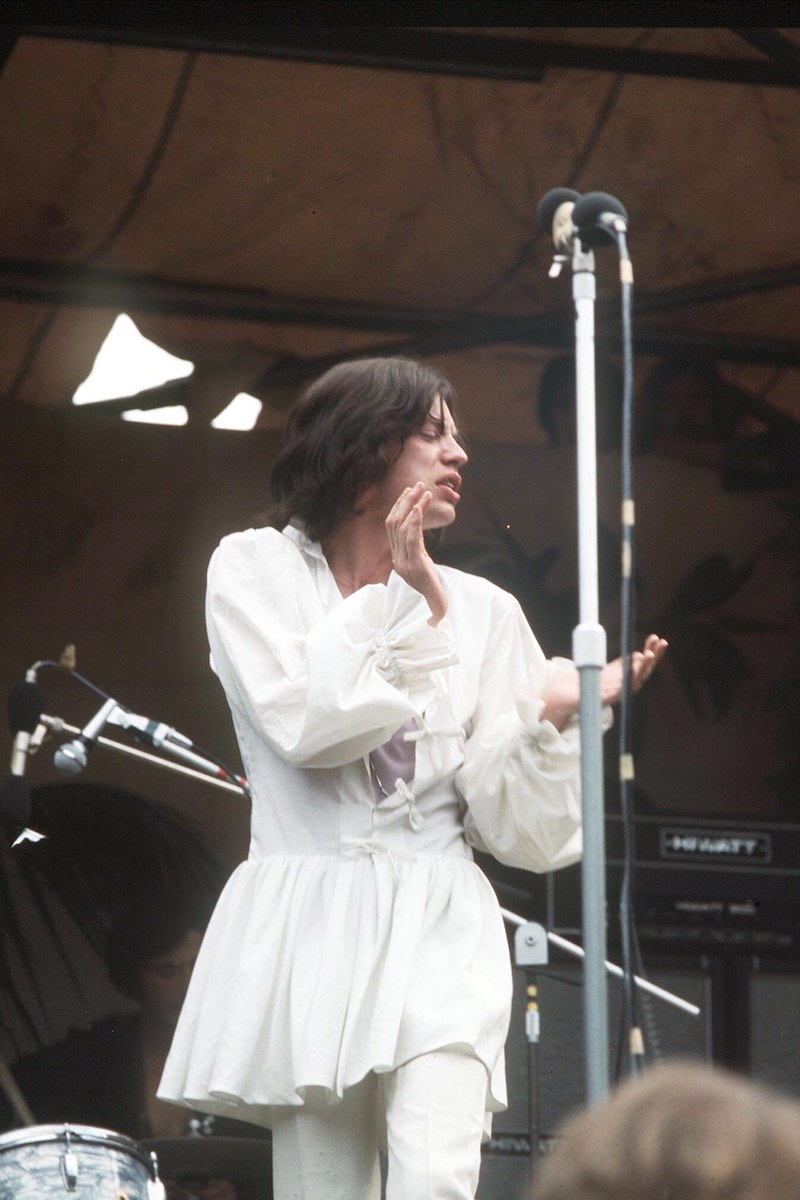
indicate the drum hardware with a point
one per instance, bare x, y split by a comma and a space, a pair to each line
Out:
50, 1162
155, 1188
70, 1167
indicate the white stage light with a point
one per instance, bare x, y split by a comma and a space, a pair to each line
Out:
241, 413
128, 363
173, 414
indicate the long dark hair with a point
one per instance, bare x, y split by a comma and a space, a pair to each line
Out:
344, 434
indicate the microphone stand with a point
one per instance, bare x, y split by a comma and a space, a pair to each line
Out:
589, 653
578, 223
209, 771
73, 757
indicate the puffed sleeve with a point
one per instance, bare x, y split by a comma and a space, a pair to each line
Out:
322, 687
520, 779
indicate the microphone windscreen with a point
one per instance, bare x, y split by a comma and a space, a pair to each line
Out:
71, 757
586, 212
550, 202
25, 704
15, 802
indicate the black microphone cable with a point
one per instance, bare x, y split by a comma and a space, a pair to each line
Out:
627, 915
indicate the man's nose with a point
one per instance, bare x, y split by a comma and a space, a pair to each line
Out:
454, 452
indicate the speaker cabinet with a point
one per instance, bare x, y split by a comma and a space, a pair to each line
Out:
774, 1030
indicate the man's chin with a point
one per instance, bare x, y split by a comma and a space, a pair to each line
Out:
440, 518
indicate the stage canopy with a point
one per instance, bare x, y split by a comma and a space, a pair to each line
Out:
264, 201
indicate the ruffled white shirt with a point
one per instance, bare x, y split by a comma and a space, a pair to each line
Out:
358, 935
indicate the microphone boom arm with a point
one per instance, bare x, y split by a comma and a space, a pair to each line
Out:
208, 772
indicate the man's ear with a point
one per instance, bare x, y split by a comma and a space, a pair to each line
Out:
364, 499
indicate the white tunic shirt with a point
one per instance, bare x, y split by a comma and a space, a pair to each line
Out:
358, 934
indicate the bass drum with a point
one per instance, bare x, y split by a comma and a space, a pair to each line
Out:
51, 1162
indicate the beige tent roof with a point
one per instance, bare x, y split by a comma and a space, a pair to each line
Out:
264, 201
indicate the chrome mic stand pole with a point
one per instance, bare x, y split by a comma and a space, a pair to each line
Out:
589, 654
589, 638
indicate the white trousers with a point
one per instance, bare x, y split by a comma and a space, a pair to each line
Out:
430, 1115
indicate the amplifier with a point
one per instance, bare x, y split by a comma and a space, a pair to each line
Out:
722, 886
713, 884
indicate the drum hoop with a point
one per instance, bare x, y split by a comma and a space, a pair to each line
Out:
86, 1135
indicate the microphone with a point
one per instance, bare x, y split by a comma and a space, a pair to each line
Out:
72, 756
162, 737
25, 704
597, 218
555, 215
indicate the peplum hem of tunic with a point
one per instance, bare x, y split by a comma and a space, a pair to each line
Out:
316, 970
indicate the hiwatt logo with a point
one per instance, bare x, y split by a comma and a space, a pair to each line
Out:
715, 845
